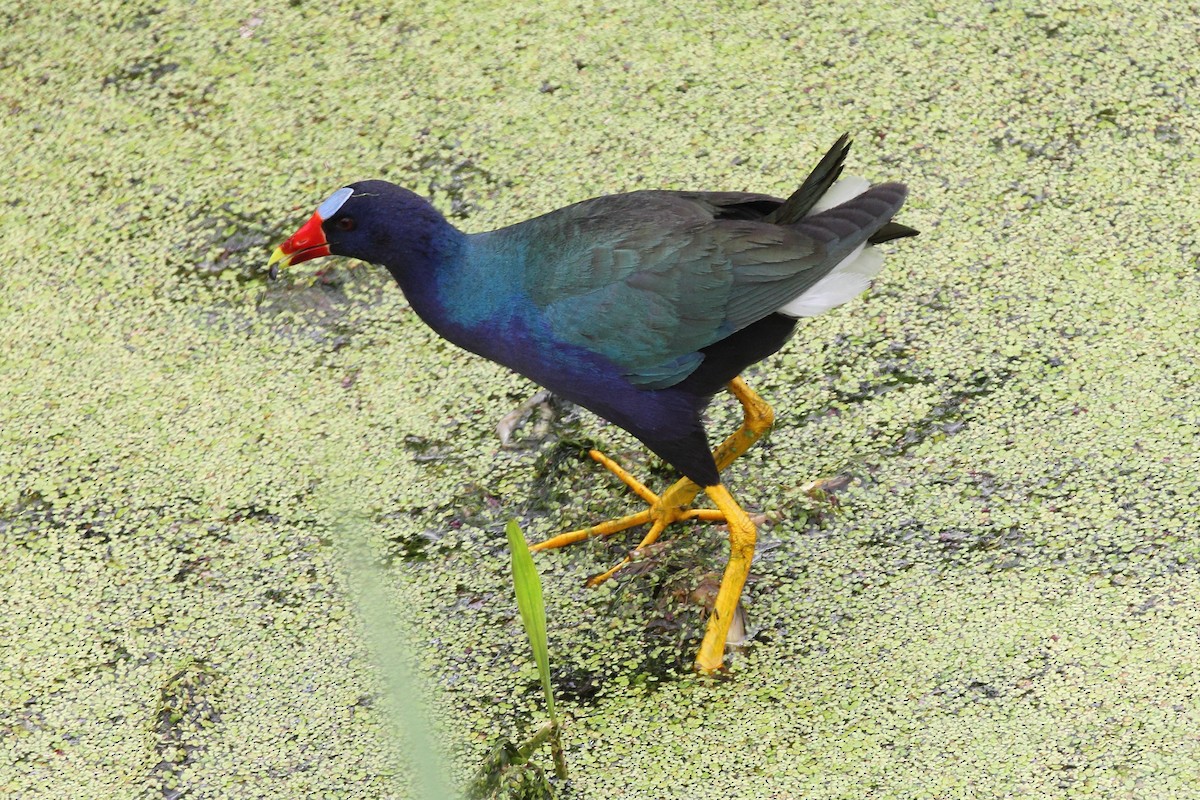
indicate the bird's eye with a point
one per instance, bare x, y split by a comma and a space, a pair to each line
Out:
345, 224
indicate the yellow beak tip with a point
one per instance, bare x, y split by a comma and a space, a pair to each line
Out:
278, 259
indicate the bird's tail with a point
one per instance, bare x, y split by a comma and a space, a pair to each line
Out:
851, 215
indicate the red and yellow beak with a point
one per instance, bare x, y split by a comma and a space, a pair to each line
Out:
309, 241
306, 243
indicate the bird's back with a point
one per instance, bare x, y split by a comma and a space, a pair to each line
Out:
648, 279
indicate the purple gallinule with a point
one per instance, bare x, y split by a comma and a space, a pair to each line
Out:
639, 307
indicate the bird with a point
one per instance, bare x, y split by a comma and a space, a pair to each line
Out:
639, 307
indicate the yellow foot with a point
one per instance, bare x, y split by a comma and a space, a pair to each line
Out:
671, 506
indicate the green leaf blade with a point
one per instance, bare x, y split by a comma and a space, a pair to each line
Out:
528, 587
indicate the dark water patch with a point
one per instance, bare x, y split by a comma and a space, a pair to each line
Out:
950, 415
454, 177
227, 244
557, 473
187, 717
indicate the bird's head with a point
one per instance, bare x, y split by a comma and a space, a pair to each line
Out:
373, 221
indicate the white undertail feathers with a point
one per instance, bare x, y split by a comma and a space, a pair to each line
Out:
853, 274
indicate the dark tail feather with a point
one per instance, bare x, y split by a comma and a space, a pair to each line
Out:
842, 228
815, 185
891, 231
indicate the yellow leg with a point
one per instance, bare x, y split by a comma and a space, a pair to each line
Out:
757, 421
673, 505
741, 552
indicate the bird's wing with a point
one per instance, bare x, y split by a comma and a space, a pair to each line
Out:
648, 279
